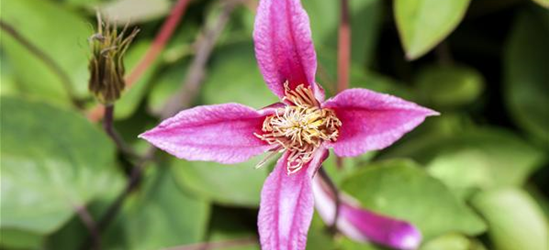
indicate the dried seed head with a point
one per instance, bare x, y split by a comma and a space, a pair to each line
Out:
300, 127
106, 64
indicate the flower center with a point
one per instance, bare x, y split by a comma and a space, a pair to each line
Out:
300, 127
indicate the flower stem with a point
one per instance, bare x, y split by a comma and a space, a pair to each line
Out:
111, 131
114, 208
90, 225
343, 61
326, 179
443, 54
343, 55
160, 41
135, 177
179, 100
344, 48
166, 31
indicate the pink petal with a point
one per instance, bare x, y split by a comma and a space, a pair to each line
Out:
223, 133
283, 46
286, 206
362, 225
372, 121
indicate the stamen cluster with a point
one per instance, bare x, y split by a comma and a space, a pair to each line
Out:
300, 127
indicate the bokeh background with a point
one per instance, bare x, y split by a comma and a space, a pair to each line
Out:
476, 177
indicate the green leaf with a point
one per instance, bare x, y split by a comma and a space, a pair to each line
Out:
348, 244
161, 214
42, 84
57, 32
135, 11
318, 236
52, 161
541, 199
471, 165
168, 83
483, 158
90, 4
349, 166
233, 74
9, 86
74, 233
132, 97
449, 86
422, 24
17, 239
544, 3
234, 185
515, 220
452, 241
526, 75
401, 189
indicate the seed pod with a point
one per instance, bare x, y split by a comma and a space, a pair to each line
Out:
106, 64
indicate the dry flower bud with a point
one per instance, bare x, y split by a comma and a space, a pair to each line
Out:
106, 64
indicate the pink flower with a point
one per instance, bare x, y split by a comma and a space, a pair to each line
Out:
302, 125
362, 225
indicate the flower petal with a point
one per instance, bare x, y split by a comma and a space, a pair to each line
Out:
223, 133
283, 46
372, 121
362, 225
286, 206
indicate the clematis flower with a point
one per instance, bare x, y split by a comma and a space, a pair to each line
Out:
302, 126
362, 225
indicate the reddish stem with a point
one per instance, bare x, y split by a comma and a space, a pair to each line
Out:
183, 97
90, 225
335, 192
165, 33
343, 61
343, 54
344, 48
159, 42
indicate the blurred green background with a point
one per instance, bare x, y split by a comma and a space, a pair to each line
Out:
476, 177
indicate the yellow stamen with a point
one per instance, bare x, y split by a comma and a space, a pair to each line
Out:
300, 127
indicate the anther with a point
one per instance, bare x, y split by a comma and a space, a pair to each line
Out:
300, 127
